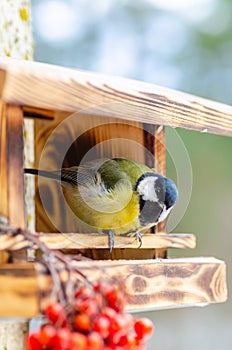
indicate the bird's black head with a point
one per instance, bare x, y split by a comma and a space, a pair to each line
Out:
171, 193
157, 195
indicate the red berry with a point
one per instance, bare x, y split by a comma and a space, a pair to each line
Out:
47, 335
102, 287
62, 339
102, 326
120, 323
78, 341
88, 306
95, 341
83, 293
33, 342
115, 299
127, 340
82, 322
129, 321
113, 338
143, 328
56, 314
109, 313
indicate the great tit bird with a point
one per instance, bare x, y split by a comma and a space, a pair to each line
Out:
117, 196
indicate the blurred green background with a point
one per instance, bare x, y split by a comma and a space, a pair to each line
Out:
184, 45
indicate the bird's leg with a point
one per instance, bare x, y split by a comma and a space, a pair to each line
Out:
111, 239
139, 236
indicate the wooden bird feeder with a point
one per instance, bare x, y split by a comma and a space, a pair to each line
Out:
77, 114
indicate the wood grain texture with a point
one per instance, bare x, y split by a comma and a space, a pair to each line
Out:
166, 283
57, 88
31, 112
83, 240
147, 284
11, 169
2, 80
16, 209
160, 165
3, 163
11, 165
19, 291
4, 256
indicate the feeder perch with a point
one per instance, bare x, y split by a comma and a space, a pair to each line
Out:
82, 112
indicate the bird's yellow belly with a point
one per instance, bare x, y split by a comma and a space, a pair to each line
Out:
121, 222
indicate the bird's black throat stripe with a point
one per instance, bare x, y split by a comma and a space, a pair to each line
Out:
149, 212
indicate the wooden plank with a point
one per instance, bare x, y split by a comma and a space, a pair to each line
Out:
51, 87
11, 165
164, 283
11, 168
3, 163
18, 291
2, 80
148, 284
15, 186
31, 112
160, 165
83, 241
80, 241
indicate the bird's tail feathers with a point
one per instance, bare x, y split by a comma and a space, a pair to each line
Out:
49, 174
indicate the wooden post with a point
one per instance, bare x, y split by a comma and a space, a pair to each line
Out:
11, 170
4, 256
16, 42
11, 160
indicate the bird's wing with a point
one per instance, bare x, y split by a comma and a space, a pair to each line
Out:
78, 175
105, 172
84, 174
100, 183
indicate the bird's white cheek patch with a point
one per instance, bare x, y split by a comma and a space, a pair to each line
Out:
164, 213
146, 189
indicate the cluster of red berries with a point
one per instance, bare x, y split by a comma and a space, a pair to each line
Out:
96, 321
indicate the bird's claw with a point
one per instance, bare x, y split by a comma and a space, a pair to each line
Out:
111, 239
110, 233
139, 236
